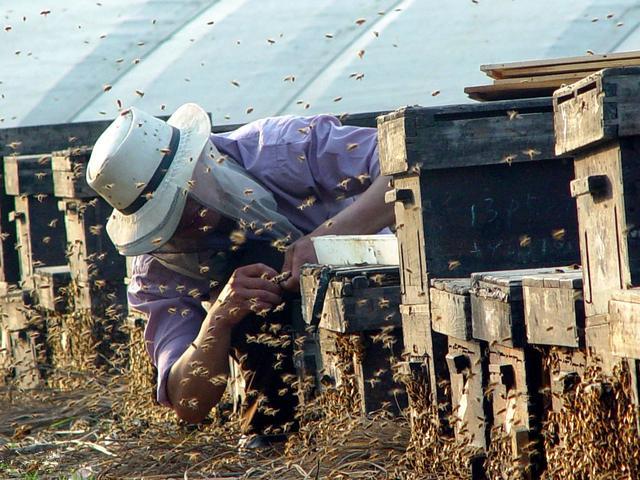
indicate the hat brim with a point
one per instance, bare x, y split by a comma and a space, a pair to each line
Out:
154, 224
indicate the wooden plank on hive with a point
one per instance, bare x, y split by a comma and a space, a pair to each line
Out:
560, 65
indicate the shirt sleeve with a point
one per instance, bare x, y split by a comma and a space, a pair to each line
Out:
172, 305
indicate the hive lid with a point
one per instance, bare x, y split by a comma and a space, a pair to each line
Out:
459, 286
569, 279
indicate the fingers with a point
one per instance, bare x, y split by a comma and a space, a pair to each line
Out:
256, 270
260, 295
254, 283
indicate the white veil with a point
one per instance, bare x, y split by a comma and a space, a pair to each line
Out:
221, 184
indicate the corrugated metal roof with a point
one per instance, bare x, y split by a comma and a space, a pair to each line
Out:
54, 66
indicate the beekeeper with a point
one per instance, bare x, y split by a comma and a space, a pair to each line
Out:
207, 217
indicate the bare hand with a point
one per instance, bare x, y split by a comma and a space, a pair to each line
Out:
250, 289
299, 252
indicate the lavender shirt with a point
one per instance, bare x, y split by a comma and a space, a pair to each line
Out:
334, 163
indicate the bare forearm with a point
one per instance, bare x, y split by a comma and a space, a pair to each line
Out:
198, 379
368, 214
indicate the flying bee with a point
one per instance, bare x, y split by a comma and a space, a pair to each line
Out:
531, 152
508, 159
351, 146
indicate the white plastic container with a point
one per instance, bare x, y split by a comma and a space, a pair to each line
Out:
356, 249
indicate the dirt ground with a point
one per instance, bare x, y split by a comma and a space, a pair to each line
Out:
101, 431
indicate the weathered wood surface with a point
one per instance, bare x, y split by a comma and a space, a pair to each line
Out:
624, 317
416, 330
554, 309
49, 286
468, 364
362, 309
451, 307
91, 254
350, 298
69, 173
497, 305
601, 107
608, 221
375, 377
21, 340
564, 65
41, 239
598, 342
28, 175
516, 401
466, 135
411, 241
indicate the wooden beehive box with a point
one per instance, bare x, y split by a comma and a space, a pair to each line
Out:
451, 307
497, 305
460, 200
357, 302
598, 120
357, 306
50, 284
40, 238
554, 308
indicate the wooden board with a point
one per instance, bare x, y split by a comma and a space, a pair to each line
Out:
513, 90
624, 317
411, 241
69, 173
414, 139
601, 107
451, 307
360, 309
560, 65
497, 305
554, 309
28, 175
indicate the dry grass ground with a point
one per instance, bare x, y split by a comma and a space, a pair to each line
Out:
92, 432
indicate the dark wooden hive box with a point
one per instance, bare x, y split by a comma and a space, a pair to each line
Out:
476, 187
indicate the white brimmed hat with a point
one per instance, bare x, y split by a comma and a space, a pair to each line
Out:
141, 166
